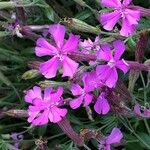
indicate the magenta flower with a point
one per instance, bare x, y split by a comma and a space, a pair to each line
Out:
114, 138
92, 81
102, 106
45, 107
58, 52
108, 72
89, 47
129, 17
84, 94
145, 114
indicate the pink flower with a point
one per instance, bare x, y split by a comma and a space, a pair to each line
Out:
129, 17
45, 107
102, 106
58, 52
114, 138
84, 94
108, 72
145, 114
89, 47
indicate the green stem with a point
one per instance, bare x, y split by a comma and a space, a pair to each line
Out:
144, 87
132, 131
147, 126
86, 147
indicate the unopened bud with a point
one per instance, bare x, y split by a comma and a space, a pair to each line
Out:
4, 5
79, 25
30, 74
17, 113
48, 83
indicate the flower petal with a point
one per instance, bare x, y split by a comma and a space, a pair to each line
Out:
42, 119
32, 94
147, 112
137, 110
47, 94
44, 48
109, 20
119, 49
111, 3
75, 103
105, 52
103, 71
72, 43
122, 65
76, 89
56, 96
111, 78
126, 2
87, 99
56, 114
102, 106
49, 68
133, 16
69, 67
115, 136
58, 33
127, 29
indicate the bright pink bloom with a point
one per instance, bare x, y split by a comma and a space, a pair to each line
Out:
89, 47
145, 114
129, 17
45, 107
102, 106
58, 52
84, 94
114, 138
108, 72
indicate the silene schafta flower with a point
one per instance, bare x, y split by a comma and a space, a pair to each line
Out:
114, 138
129, 17
108, 72
102, 106
84, 94
138, 112
45, 107
58, 52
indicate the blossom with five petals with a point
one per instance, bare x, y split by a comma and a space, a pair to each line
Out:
58, 52
108, 72
129, 17
45, 107
114, 138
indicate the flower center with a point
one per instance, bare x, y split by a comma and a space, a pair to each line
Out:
60, 54
122, 11
111, 63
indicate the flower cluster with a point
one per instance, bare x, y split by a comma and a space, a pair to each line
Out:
49, 106
93, 86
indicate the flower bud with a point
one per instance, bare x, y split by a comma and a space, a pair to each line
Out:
48, 83
79, 25
17, 113
30, 74
4, 5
